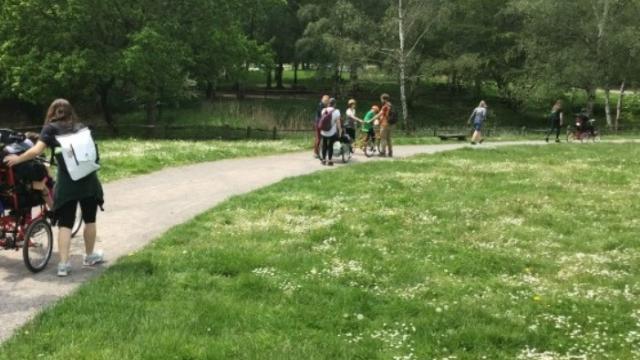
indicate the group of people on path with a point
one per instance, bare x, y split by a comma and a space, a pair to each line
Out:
68, 194
381, 116
331, 126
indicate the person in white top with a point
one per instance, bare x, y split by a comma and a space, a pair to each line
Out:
330, 136
478, 117
351, 121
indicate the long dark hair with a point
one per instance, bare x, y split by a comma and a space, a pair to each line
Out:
61, 110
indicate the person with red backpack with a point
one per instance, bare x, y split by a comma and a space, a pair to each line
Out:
388, 118
329, 125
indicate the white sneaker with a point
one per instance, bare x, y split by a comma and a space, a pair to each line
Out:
93, 259
64, 269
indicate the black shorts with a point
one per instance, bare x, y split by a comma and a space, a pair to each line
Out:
66, 214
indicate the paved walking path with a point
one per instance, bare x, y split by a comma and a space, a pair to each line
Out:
140, 209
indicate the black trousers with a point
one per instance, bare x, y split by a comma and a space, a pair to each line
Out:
352, 134
555, 127
327, 146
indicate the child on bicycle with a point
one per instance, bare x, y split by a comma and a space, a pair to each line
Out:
368, 125
34, 174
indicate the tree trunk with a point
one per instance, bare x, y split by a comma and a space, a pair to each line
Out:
279, 76
269, 78
239, 87
336, 81
152, 116
477, 88
607, 106
402, 66
616, 123
296, 65
591, 100
211, 91
453, 87
103, 92
354, 76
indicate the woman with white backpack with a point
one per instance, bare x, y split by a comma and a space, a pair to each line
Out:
77, 180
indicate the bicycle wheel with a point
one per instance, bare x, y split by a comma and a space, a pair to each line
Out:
346, 153
77, 225
37, 245
369, 148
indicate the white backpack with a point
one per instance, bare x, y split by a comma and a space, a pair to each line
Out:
79, 153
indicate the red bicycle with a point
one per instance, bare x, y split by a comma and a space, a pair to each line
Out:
24, 224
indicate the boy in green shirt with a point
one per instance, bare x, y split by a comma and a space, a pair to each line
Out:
368, 123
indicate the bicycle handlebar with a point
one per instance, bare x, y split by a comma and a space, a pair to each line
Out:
8, 136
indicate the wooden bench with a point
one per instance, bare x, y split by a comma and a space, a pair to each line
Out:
459, 137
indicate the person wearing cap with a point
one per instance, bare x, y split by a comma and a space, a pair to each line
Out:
324, 102
330, 136
351, 120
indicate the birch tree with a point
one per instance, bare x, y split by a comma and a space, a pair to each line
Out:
412, 20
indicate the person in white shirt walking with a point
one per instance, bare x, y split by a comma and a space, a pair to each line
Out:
478, 117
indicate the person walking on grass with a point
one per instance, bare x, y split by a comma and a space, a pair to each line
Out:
478, 117
61, 119
556, 120
351, 119
324, 102
330, 135
386, 123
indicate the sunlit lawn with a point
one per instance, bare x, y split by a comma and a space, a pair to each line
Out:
128, 157
516, 253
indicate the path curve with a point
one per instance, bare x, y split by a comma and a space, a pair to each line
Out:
149, 205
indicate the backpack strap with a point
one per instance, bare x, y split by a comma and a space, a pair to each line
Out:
52, 158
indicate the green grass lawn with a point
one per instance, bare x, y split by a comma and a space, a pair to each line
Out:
125, 158
515, 253
122, 158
